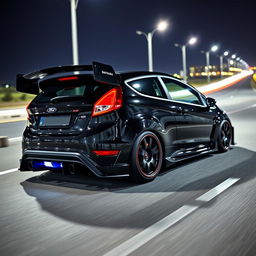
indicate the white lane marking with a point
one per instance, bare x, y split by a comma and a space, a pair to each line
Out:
217, 190
149, 233
143, 237
9, 171
14, 139
242, 109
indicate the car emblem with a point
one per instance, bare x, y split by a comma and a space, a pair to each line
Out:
51, 110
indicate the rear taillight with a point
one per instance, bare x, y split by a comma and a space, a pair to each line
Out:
110, 101
68, 78
106, 152
28, 110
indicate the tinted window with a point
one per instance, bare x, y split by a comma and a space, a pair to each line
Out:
84, 86
181, 92
149, 86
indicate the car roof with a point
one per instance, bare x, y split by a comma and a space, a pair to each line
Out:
122, 75
132, 74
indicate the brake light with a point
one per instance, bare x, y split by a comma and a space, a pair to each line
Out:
106, 152
68, 78
110, 101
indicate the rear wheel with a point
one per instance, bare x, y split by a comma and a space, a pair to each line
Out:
224, 136
146, 158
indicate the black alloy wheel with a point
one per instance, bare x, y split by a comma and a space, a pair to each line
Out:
225, 136
147, 157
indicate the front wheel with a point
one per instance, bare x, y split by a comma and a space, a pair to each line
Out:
146, 157
224, 136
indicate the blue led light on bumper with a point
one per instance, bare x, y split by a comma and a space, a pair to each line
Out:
46, 165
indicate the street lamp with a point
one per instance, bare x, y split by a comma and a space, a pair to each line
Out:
221, 62
237, 62
214, 48
230, 59
73, 7
183, 47
160, 27
234, 56
226, 53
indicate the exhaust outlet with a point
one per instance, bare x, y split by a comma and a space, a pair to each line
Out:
30, 166
71, 169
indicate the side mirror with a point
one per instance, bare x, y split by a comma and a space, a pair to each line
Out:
210, 102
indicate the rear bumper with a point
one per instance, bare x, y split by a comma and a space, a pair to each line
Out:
73, 157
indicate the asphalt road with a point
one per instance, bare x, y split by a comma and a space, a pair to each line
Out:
12, 129
205, 206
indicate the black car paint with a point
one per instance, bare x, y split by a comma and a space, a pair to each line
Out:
185, 130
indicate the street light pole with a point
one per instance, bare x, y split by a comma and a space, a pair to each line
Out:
228, 64
221, 56
73, 7
161, 27
237, 62
150, 51
234, 60
183, 47
221, 66
225, 54
207, 55
149, 37
184, 61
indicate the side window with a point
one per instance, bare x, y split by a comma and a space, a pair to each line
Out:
181, 92
149, 86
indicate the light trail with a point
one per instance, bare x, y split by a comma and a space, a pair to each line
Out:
227, 82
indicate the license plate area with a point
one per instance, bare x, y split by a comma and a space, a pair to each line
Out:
54, 121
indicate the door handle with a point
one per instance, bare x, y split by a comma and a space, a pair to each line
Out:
182, 110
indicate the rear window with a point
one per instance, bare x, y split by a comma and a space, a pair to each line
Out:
149, 86
74, 89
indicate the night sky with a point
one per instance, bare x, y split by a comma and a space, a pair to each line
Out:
37, 33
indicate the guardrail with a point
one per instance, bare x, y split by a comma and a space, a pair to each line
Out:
13, 115
10, 115
4, 142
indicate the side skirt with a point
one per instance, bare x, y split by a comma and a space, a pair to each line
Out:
185, 156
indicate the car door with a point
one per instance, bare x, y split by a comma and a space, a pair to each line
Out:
151, 102
193, 119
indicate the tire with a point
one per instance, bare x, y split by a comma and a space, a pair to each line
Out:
146, 157
224, 136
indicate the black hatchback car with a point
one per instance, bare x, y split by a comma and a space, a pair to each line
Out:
130, 123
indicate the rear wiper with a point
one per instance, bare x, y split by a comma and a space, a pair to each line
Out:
69, 98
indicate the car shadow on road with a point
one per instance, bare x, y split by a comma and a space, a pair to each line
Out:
118, 203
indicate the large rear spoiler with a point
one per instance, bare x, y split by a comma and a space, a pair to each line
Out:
28, 83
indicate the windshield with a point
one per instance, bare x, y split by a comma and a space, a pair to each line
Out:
70, 90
